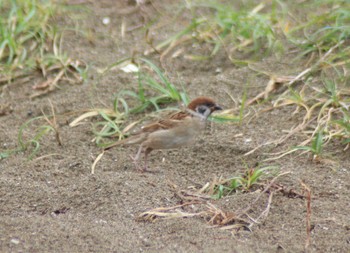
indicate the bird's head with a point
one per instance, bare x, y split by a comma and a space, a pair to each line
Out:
204, 106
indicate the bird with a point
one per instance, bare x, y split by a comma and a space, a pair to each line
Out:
177, 130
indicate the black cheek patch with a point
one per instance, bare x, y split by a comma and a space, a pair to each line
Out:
201, 110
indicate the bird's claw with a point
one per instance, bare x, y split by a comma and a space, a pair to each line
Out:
138, 166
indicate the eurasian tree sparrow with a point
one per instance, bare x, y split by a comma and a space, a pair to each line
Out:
177, 130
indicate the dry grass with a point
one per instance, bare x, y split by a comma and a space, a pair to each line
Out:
208, 210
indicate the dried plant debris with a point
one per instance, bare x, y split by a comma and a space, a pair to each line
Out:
68, 71
198, 204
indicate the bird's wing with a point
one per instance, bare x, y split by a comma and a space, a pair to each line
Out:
172, 121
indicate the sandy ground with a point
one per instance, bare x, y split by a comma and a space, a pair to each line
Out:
54, 204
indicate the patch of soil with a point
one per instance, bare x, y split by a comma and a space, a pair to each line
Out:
54, 204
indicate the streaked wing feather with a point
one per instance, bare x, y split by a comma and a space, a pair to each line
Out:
173, 120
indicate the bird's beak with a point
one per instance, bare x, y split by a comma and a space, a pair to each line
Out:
216, 108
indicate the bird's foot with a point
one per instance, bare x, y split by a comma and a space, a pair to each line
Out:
139, 167
135, 161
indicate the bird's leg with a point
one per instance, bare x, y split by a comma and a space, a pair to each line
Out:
147, 151
137, 158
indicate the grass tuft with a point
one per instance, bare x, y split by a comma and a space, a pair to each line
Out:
30, 42
251, 177
24, 29
246, 30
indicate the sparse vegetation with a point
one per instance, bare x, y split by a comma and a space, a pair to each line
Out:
223, 187
29, 42
251, 29
300, 49
227, 27
154, 90
25, 30
320, 40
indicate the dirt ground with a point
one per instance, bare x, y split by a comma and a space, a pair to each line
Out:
54, 204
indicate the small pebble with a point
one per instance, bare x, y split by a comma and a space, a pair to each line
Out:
106, 20
15, 241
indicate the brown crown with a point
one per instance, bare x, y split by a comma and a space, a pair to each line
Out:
200, 101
